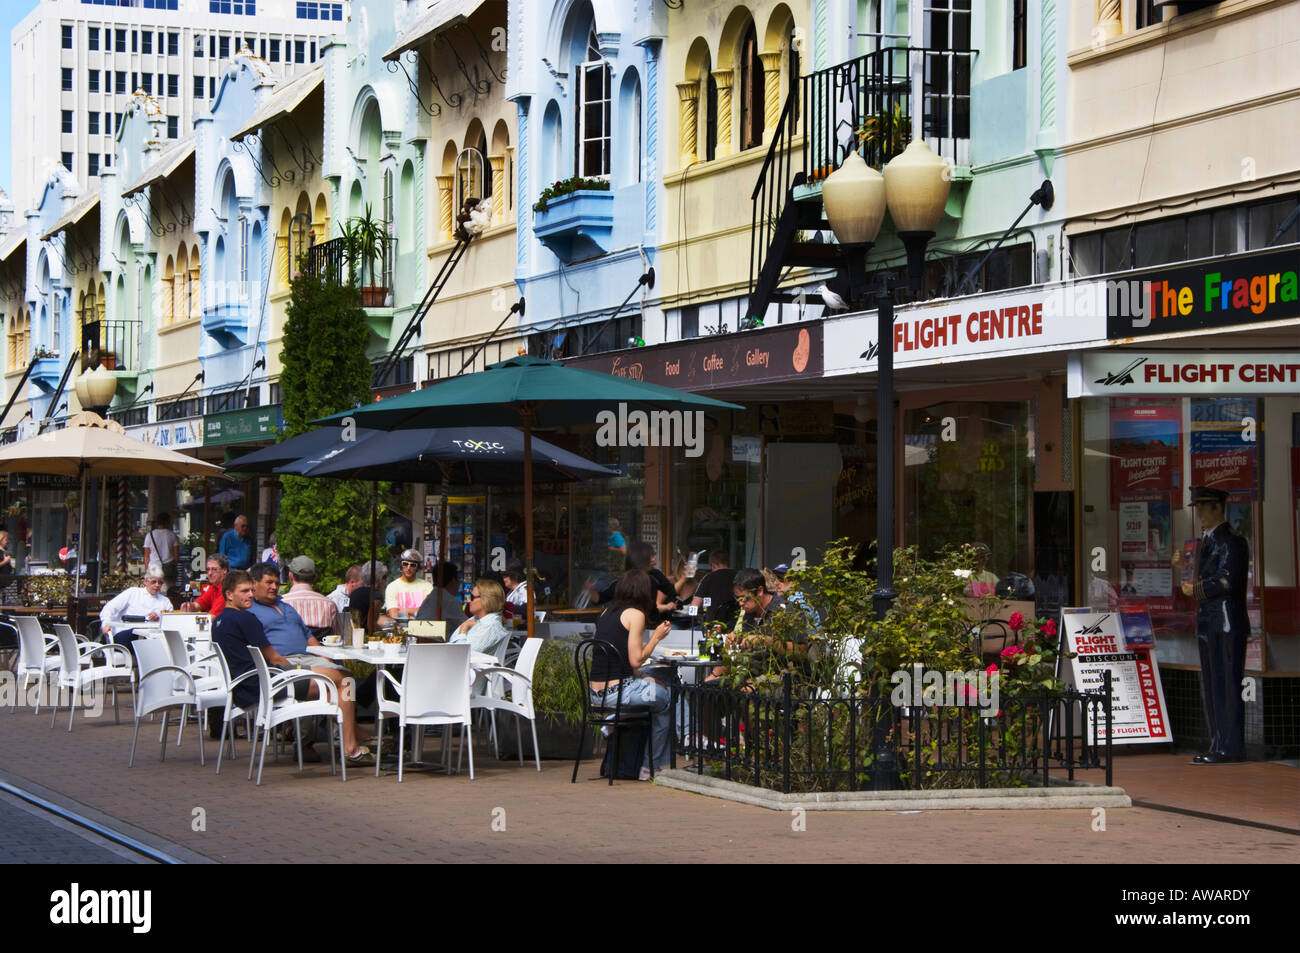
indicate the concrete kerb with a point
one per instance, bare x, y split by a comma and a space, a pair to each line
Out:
1057, 797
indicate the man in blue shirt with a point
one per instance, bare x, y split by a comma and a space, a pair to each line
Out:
286, 633
236, 545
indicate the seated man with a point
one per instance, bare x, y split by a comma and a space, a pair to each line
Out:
144, 601
406, 593
318, 613
286, 634
212, 599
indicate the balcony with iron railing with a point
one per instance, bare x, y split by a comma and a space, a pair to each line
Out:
334, 261
864, 104
113, 344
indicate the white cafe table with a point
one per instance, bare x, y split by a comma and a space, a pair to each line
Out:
339, 653
382, 658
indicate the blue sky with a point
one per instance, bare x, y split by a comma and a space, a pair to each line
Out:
11, 14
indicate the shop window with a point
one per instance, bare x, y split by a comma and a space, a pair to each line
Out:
1141, 517
968, 477
1266, 218
1160, 242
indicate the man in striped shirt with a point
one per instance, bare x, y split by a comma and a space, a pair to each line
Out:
319, 614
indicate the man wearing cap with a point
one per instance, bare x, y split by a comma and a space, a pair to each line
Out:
407, 592
1222, 625
319, 614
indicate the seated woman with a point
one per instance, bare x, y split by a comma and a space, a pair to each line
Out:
484, 630
623, 626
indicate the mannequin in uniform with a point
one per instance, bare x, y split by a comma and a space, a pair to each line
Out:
1222, 625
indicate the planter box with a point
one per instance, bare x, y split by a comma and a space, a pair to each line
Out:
557, 737
577, 225
46, 373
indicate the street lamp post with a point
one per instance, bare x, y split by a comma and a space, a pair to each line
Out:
914, 187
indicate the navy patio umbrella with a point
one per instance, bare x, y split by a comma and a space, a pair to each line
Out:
530, 392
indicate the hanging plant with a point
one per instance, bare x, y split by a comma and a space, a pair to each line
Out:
18, 508
71, 501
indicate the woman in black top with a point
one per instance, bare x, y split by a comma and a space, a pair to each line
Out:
613, 674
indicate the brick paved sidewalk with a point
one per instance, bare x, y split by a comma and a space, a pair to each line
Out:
315, 818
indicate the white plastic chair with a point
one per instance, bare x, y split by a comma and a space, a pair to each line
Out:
158, 690
434, 690
520, 703
233, 711
34, 658
77, 668
272, 714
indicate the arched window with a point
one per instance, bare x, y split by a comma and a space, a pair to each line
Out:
181, 288
629, 144
709, 96
168, 292
592, 105
752, 106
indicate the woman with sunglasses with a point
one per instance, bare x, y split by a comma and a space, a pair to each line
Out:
484, 630
613, 673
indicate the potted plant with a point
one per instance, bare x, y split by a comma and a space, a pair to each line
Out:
567, 186
884, 134
108, 361
368, 243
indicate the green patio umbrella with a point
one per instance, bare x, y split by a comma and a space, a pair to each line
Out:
531, 393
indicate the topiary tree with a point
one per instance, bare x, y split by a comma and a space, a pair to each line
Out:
325, 371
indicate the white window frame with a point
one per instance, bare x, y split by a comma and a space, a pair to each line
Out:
583, 134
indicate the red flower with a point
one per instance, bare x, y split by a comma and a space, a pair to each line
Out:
1012, 650
1016, 622
1049, 627
741, 726
992, 669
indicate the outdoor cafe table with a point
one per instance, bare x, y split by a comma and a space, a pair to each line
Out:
381, 659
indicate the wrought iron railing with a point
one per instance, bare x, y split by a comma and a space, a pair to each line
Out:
866, 103
333, 261
115, 344
796, 742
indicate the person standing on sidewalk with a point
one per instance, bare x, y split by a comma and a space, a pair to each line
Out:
1222, 625
236, 545
161, 547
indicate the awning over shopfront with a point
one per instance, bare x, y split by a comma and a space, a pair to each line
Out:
284, 100
71, 217
165, 165
442, 16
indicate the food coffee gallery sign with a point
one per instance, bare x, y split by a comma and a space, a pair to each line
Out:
1032, 320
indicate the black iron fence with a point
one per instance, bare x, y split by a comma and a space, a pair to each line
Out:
792, 743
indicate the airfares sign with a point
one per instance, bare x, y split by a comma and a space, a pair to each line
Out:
1246, 289
1130, 372
1138, 712
785, 352
1032, 320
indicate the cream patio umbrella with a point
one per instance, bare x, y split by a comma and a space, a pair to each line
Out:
92, 447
